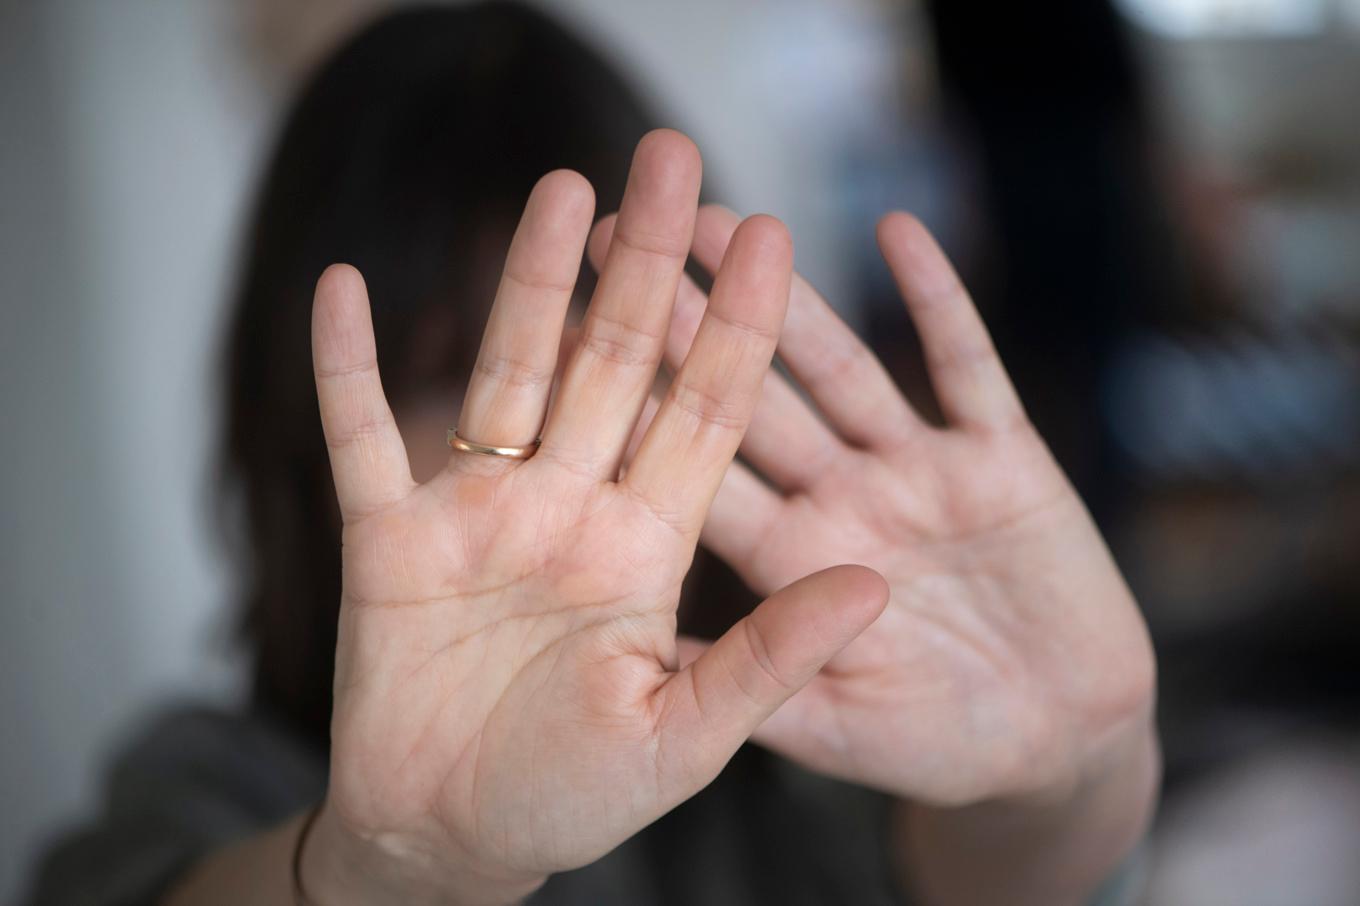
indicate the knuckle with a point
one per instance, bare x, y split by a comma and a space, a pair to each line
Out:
620, 343
506, 369
538, 282
708, 407
759, 650
651, 244
763, 334
363, 433
361, 369
614, 351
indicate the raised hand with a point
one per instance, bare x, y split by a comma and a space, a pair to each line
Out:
508, 698
1012, 656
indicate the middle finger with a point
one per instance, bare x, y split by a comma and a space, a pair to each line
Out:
612, 369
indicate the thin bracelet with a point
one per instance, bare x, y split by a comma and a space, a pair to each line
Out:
300, 897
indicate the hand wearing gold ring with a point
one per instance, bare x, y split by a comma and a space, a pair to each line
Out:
509, 698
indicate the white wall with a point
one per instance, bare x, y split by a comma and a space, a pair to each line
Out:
125, 153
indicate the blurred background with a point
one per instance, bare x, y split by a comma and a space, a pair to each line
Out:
1157, 203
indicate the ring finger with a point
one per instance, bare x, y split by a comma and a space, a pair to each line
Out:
507, 395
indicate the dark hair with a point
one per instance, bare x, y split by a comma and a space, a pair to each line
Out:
409, 154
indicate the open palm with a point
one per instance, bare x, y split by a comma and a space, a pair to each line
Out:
509, 700
1011, 647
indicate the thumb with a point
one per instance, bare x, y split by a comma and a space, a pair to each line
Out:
713, 705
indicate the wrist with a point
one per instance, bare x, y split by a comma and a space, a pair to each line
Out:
1051, 845
1123, 764
337, 867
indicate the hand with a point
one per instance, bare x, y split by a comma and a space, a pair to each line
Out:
1012, 660
508, 698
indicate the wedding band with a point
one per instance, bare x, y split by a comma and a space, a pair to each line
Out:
464, 445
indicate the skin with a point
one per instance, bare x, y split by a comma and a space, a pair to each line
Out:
1006, 692
511, 696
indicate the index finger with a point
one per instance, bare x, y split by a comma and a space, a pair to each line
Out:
969, 380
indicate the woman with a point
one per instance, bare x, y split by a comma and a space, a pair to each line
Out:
514, 714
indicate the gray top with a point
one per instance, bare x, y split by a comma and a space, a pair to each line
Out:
763, 832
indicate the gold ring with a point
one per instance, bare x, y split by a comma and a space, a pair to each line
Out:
467, 446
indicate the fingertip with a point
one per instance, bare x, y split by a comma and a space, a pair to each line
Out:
915, 257
767, 237
342, 324
672, 151
900, 228
567, 181
668, 171
339, 280
566, 191
770, 231
752, 281
843, 601
340, 298
865, 587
